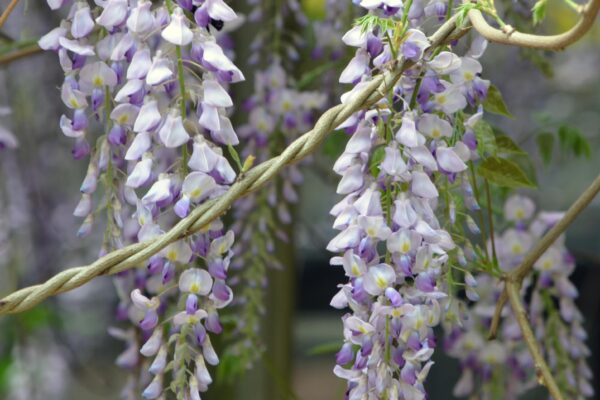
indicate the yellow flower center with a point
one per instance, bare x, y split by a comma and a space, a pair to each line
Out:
405, 246
517, 248
172, 256
196, 193
547, 264
520, 213
380, 280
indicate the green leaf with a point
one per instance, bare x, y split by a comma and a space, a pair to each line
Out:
334, 144
506, 145
582, 148
545, 143
486, 140
527, 167
311, 76
495, 104
572, 140
538, 59
230, 367
539, 11
376, 160
37, 318
325, 348
462, 11
236, 157
505, 173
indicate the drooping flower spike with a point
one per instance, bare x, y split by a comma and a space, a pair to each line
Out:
398, 165
549, 298
153, 78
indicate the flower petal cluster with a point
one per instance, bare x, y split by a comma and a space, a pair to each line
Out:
549, 298
391, 245
154, 77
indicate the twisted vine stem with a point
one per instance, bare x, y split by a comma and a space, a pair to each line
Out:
134, 255
510, 36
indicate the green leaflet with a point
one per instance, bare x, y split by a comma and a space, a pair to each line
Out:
486, 140
376, 160
505, 173
325, 348
495, 104
311, 76
572, 140
334, 144
545, 143
506, 145
539, 11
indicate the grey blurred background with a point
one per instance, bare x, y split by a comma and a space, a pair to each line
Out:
61, 350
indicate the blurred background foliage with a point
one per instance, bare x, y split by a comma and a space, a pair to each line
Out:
61, 349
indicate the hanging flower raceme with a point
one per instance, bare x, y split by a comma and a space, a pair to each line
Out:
392, 247
549, 298
277, 114
155, 76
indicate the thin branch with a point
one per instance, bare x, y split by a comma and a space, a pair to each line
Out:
134, 255
18, 54
490, 214
540, 248
510, 36
542, 370
6, 13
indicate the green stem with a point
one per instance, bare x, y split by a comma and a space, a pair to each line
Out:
405, 16
392, 47
182, 101
480, 213
449, 10
488, 196
413, 99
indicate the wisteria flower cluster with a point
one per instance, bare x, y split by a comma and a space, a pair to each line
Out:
155, 76
551, 308
147, 88
277, 114
394, 250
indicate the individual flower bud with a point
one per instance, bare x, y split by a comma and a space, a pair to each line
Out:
83, 23
173, 133
178, 32
84, 207
141, 20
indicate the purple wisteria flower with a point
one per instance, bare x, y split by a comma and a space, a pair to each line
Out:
505, 364
394, 250
153, 76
